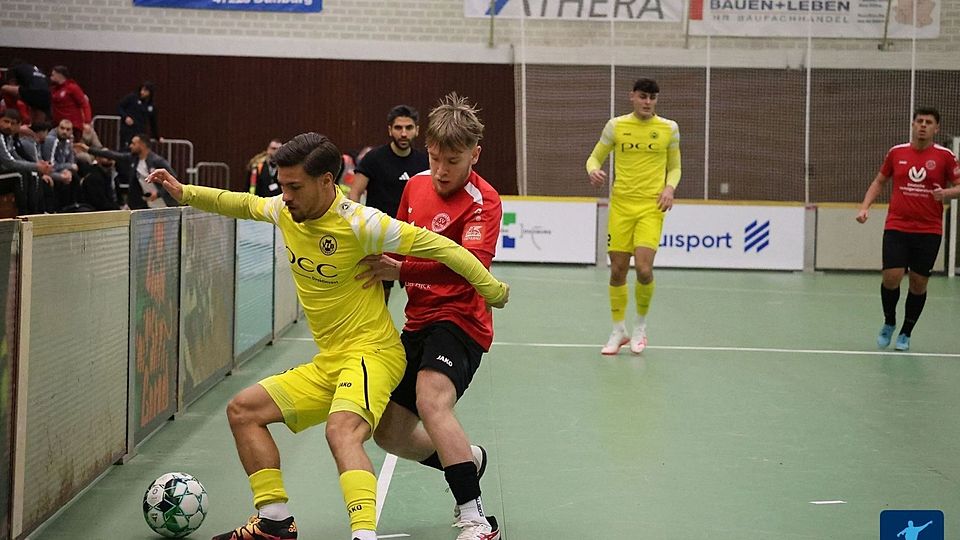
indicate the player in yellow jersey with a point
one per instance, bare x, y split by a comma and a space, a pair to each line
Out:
646, 151
361, 360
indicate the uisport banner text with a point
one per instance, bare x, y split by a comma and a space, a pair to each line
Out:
295, 6
578, 10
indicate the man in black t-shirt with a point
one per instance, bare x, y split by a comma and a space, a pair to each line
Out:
384, 171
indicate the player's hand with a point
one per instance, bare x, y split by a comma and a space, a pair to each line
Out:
48, 179
128, 121
381, 268
862, 215
938, 193
44, 167
665, 202
169, 183
503, 301
598, 177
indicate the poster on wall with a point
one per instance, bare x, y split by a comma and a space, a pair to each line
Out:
578, 10
296, 6
734, 236
849, 19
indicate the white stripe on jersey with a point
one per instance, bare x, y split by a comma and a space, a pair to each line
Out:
474, 192
376, 231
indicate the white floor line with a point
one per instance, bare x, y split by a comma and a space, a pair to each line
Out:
828, 502
401, 535
383, 483
735, 349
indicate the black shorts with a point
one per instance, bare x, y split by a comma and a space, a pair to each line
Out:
442, 347
36, 99
917, 252
389, 284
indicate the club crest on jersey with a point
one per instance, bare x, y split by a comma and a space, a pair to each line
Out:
931, 164
440, 222
328, 245
918, 174
654, 135
474, 233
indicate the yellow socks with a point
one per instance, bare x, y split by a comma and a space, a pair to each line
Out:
618, 302
267, 486
360, 494
643, 294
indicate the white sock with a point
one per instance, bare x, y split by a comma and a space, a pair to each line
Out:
275, 511
363, 534
641, 323
620, 326
472, 511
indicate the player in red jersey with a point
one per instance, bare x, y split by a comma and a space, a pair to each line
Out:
922, 174
449, 327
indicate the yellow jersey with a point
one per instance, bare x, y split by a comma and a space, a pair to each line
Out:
324, 254
646, 155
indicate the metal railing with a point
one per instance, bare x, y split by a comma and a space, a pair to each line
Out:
211, 174
108, 130
179, 152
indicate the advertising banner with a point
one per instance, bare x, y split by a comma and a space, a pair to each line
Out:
296, 6
578, 10
847, 19
734, 236
548, 229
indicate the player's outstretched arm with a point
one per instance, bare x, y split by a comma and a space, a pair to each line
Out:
169, 183
219, 201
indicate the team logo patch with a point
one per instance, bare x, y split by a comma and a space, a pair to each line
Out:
328, 245
917, 174
344, 205
931, 164
440, 222
474, 233
654, 135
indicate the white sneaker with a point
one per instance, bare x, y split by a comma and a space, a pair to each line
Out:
618, 338
638, 341
472, 530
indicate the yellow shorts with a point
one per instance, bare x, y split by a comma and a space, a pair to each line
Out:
358, 381
634, 224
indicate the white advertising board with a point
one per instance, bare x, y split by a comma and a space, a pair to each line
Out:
865, 19
545, 229
733, 236
578, 10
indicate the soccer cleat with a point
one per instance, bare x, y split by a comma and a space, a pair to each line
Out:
883, 338
259, 528
471, 530
903, 343
618, 338
638, 341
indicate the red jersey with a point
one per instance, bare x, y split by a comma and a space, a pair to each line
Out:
69, 102
916, 173
470, 217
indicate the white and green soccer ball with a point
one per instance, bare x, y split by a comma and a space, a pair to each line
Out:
175, 505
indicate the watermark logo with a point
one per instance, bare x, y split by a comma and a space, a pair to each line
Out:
911, 525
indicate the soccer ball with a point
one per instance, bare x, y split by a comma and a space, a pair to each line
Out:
175, 505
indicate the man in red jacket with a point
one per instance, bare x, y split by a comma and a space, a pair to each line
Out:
449, 326
68, 101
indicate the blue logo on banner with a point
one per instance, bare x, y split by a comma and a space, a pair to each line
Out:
497, 7
297, 6
757, 236
911, 525
509, 242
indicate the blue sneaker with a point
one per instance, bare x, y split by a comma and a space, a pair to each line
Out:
903, 343
886, 334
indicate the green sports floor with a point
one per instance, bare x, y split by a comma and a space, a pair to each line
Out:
761, 409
